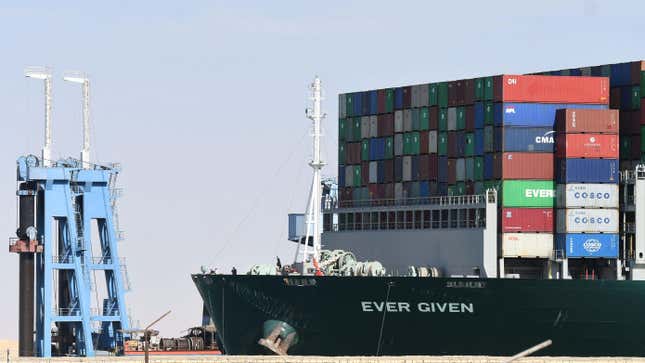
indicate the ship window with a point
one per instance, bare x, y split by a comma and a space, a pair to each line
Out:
358, 221
408, 220
453, 218
375, 220
418, 219
444, 218
426, 219
400, 220
383, 221
350, 222
391, 222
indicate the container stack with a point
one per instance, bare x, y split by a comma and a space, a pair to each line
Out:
587, 192
525, 116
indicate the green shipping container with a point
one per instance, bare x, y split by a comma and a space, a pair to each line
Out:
341, 153
415, 143
479, 89
488, 88
642, 138
642, 83
489, 113
415, 119
349, 104
433, 94
442, 144
479, 169
528, 193
461, 118
443, 119
349, 130
470, 169
389, 100
635, 99
492, 184
443, 94
356, 132
424, 119
489, 137
407, 138
342, 126
365, 150
469, 150
626, 147
357, 176
389, 147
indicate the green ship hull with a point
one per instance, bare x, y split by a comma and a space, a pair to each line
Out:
427, 316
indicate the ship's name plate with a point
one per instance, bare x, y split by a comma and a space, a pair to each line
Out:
422, 307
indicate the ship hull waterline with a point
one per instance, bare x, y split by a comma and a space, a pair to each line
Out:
428, 316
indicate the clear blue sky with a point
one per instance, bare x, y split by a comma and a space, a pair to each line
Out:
202, 103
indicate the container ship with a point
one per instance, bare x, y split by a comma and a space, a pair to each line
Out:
477, 216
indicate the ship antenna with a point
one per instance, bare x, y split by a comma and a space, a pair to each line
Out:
312, 220
81, 78
45, 74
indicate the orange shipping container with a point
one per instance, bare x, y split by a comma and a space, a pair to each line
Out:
587, 146
527, 220
587, 121
527, 166
548, 89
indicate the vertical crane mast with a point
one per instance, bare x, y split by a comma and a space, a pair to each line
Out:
45, 74
85, 82
313, 210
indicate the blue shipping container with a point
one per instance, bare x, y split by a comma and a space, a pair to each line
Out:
398, 169
497, 139
460, 139
587, 171
398, 98
373, 102
588, 244
479, 115
442, 189
365, 96
415, 167
532, 114
341, 176
488, 166
529, 139
373, 149
621, 75
479, 142
626, 97
358, 104
442, 172
424, 189
380, 172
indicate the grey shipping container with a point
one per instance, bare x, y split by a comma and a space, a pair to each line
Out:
398, 144
460, 169
452, 118
407, 120
398, 121
424, 95
489, 137
343, 106
432, 142
373, 126
415, 96
407, 168
398, 191
349, 175
373, 172
365, 127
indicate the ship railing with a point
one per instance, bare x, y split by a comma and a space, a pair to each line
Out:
62, 259
106, 260
67, 311
113, 311
409, 225
435, 201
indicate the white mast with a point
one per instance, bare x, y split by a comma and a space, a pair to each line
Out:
312, 221
85, 82
45, 74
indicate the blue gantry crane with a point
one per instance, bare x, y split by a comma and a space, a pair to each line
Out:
59, 202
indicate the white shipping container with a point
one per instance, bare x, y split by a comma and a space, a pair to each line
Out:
373, 172
460, 169
343, 106
407, 120
373, 126
365, 127
528, 245
432, 142
587, 196
407, 168
587, 220
398, 121
452, 119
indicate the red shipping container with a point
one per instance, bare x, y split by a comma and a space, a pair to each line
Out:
388, 170
527, 166
389, 191
587, 146
452, 144
470, 119
549, 89
582, 120
424, 167
433, 115
433, 167
373, 191
423, 139
380, 191
470, 189
497, 166
365, 173
460, 92
614, 98
452, 94
527, 220
407, 96
452, 171
385, 124
346, 197
354, 152
380, 96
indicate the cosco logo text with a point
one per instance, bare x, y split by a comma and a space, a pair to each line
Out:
591, 220
585, 195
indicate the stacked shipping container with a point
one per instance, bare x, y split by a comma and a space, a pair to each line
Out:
587, 215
